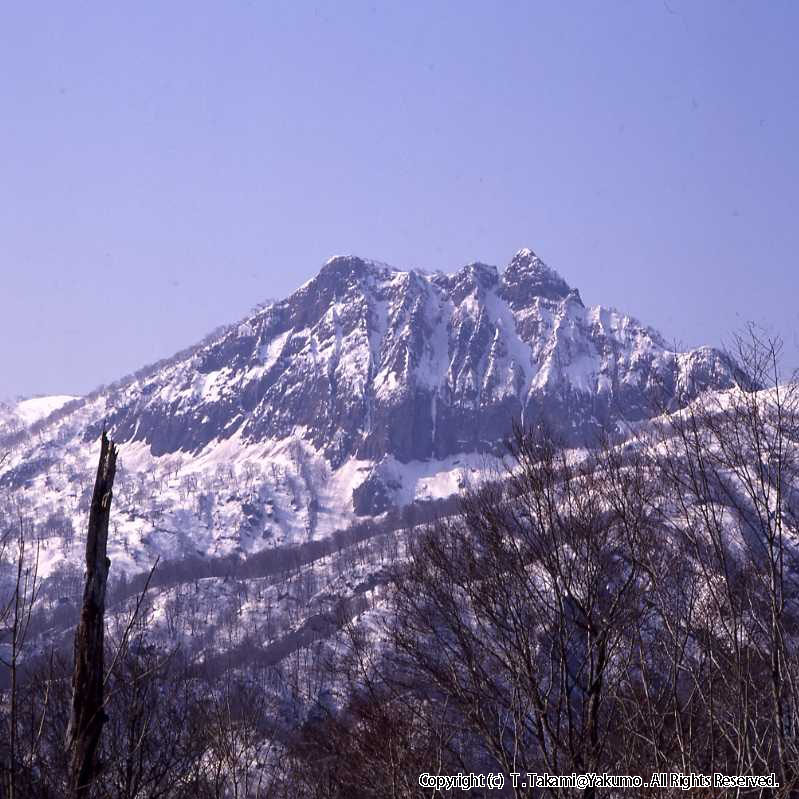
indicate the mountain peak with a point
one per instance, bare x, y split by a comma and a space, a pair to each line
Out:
527, 276
344, 264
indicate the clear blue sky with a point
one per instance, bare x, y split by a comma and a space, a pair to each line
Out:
166, 166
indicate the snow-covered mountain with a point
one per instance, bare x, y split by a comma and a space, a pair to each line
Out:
368, 387
368, 361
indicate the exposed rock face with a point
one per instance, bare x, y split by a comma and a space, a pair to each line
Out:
369, 361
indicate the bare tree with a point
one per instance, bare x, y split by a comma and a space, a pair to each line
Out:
731, 465
15, 617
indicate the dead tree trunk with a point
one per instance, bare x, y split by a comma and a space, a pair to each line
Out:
88, 715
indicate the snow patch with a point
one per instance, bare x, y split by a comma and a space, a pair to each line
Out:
31, 410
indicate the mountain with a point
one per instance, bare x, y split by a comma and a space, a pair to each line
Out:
370, 387
368, 361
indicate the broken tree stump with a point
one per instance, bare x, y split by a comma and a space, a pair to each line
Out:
88, 714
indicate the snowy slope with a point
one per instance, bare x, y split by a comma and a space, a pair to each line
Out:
35, 408
368, 387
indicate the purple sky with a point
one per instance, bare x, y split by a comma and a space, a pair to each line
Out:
166, 166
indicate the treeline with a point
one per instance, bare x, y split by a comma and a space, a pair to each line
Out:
55, 611
283, 560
